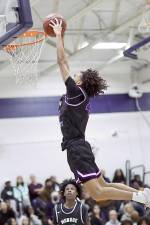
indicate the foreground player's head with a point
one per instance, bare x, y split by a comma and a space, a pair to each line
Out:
91, 82
70, 190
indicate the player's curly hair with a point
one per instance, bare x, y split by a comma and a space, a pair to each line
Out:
92, 83
73, 182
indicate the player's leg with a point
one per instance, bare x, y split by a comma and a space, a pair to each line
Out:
82, 164
100, 193
119, 186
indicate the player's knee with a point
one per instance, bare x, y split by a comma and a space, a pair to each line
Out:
107, 184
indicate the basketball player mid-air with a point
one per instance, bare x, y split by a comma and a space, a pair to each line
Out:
73, 116
70, 210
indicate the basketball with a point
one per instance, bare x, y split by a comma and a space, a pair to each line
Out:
48, 29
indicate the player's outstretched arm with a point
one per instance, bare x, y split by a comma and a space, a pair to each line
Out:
61, 57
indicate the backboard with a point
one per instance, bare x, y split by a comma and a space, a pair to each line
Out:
15, 19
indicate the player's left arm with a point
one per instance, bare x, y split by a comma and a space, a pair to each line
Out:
85, 216
61, 56
54, 217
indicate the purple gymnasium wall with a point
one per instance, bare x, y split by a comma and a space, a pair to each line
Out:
48, 106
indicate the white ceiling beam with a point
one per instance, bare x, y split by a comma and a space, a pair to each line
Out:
115, 13
79, 34
114, 59
121, 28
84, 11
55, 6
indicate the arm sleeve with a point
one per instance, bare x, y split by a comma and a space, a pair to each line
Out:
85, 215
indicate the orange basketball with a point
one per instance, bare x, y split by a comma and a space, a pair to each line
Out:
48, 29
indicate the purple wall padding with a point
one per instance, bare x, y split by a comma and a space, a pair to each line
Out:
48, 106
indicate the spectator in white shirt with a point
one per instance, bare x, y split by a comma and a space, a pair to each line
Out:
113, 218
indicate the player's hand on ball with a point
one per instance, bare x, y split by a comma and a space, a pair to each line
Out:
56, 25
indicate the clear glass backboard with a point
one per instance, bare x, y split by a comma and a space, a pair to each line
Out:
15, 19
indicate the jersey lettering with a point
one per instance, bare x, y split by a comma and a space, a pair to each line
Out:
68, 220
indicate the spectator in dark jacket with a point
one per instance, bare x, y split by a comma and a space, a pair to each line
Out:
12, 221
96, 218
144, 221
7, 192
40, 203
35, 188
136, 182
5, 213
103, 172
119, 177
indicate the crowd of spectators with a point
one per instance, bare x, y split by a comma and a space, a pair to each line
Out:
33, 203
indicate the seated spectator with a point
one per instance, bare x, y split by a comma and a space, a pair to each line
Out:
136, 182
5, 213
40, 203
32, 217
128, 210
35, 188
55, 199
103, 172
7, 194
96, 218
21, 194
139, 208
12, 221
55, 183
144, 221
24, 220
119, 177
135, 217
113, 218
45, 194
126, 222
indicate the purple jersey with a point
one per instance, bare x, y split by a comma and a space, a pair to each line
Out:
73, 113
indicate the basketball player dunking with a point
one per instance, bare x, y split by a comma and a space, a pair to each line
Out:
74, 113
70, 211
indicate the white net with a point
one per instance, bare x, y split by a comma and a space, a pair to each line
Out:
24, 55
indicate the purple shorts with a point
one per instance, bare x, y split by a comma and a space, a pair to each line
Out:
82, 161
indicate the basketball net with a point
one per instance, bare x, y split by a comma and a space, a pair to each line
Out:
144, 26
24, 54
